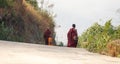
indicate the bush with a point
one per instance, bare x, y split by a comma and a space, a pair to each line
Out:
96, 37
8, 33
6, 3
113, 48
61, 44
4, 31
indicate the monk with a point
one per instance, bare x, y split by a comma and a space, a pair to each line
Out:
47, 34
50, 40
72, 37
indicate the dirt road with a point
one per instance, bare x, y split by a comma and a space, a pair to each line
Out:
23, 53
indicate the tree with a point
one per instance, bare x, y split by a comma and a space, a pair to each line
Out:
33, 3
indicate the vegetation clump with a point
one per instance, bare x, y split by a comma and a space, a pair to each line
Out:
23, 21
114, 48
97, 37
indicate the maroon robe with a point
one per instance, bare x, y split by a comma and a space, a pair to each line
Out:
71, 34
47, 34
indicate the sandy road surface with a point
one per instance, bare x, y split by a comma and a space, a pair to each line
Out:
22, 53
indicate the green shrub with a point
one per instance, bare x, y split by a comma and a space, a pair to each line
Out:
4, 31
7, 33
61, 44
6, 3
98, 36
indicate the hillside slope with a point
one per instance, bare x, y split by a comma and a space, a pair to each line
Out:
20, 21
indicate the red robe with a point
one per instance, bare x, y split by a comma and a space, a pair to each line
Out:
47, 34
71, 34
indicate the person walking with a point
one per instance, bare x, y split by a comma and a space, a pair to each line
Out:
47, 34
72, 37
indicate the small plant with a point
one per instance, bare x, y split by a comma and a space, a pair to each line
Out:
61, 44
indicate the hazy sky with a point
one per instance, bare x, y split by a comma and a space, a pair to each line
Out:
83, 13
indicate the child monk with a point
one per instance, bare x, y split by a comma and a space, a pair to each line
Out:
50, 40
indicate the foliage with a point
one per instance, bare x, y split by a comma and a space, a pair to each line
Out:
6, 3
96, 37
4, 31
34, 3
7, 33
61, 44
23, 22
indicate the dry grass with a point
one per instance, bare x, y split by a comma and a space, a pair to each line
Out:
114, 48
33, 21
